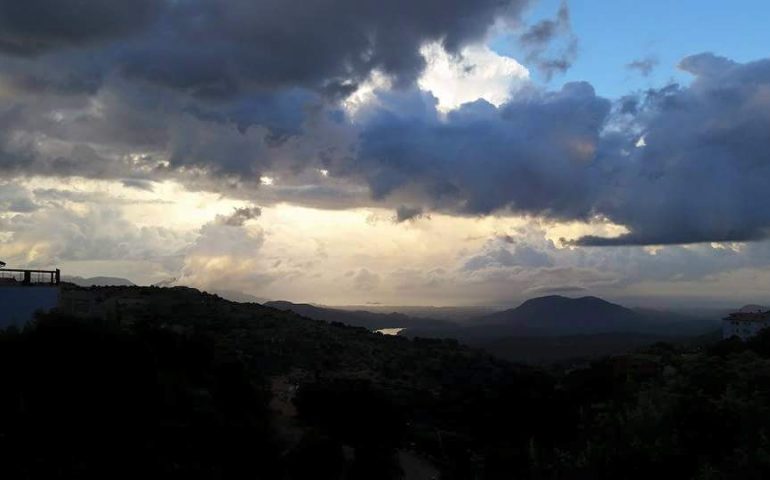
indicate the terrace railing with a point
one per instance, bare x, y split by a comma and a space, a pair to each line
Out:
29, 277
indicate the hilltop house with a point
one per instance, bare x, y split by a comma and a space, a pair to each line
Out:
745, 325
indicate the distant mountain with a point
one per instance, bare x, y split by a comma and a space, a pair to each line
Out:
556, 328
169, 282
358, 318
98, 281
238, 297
457, 314
230, 295
557, 315
753, 308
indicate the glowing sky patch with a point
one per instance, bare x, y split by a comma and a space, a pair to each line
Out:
476, 73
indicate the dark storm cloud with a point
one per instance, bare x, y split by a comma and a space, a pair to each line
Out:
31, 27
704, 172
533, 155
216, 93
163, 71
644, 66
217, 48
60, 82
702, 176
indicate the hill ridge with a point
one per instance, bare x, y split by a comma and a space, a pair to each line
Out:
557, 314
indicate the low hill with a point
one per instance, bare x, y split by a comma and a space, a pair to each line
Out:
560, 329
98, 281
753, 308
238, 296
358, 318
557, 315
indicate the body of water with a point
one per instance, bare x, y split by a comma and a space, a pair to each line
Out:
389, 331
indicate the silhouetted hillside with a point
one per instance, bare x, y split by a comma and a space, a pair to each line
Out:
557, 315
753, 308
236, 296
98, 281
358, 318
176, 383
455, 314
558, 329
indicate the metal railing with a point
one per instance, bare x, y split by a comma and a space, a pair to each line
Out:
29, 277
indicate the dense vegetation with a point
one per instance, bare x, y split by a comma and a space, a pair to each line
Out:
195, 388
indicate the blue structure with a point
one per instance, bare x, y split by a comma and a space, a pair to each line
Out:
25, 292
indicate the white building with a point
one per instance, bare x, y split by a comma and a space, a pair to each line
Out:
745, 325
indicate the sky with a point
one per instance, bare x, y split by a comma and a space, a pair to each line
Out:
614, 34
413, 152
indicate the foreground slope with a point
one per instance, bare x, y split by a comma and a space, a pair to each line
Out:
177, 383
279, 341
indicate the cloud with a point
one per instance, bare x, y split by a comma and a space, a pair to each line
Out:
55, 234
705, 164
644, 66
36, 26
365, 280
105, 89
239, 217
215, 49
125, 94
474, 73
522, 256
226, 255
532, 155
15, 199
404, 213
138, 183
571, 155
558, 290
538, 39
95, 227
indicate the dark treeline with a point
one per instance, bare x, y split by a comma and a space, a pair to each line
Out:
87, 400
83, 401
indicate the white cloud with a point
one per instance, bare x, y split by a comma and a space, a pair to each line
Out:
476, 73
366, 92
